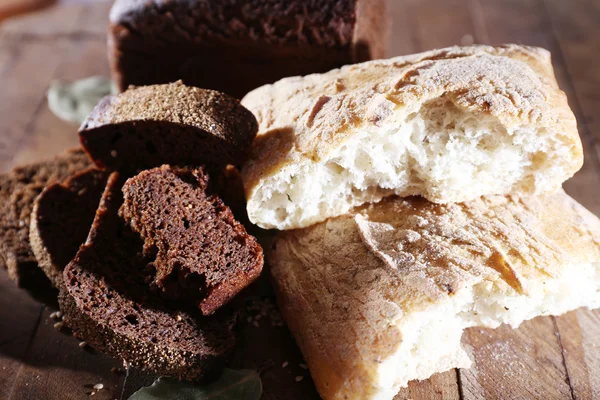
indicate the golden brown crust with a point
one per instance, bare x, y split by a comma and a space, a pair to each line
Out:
345, 284
513, 83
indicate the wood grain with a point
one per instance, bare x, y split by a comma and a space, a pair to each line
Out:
524, 363
55, 367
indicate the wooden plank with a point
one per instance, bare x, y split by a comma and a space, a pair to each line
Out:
70, 19
402, 40
57, 368
440, 23
524, 363
24, 82
19, 314
580, 339
576, 32
48, 134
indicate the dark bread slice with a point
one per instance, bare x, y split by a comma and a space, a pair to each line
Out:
61, 219
202, 252
18, 191
149, 126
106, 302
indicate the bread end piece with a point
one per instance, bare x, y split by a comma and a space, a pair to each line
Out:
147, 126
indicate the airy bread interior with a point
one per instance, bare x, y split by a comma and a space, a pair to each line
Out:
439, 150
431, 338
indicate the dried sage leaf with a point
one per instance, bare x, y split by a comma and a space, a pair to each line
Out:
73, 101
242, 384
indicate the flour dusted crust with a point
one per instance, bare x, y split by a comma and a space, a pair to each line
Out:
381, 296
510, 91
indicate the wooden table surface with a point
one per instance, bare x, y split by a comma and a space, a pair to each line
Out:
546, 358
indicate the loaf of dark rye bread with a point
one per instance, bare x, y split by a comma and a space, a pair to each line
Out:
61, 219
106, 302
149, 126
237, 45
18, 190
201, 252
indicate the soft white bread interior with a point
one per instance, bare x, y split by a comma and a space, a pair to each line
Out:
450, 125
381, 296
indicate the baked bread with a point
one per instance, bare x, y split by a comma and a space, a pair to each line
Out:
18, 190
238, 45
149, 126
61, 219
450, 125
106, 302
381, 296
202, 254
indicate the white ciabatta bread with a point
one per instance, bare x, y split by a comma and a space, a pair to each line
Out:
450, 125
381, 296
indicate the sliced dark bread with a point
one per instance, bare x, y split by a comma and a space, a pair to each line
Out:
107, 303
149, 126
202, 253
61, 219
18, 190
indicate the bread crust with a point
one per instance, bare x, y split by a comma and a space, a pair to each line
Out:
61, 219
344, 285
208, 127
238, 45
302, 120
18, 191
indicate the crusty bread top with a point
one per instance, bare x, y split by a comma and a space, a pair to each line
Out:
328, 23
421, 251
307, 117
345, 285
209, 110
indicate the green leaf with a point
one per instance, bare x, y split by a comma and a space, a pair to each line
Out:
73, 101
242, 384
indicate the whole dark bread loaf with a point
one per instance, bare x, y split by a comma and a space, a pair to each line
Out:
61, 219
149, 126
235, 46
18, 190
202, 252
106, 302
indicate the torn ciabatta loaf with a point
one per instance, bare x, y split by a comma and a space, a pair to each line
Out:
237, 45
149, 126
381, 296
202, 254
61, 219
18, 191
450, 125
106, 301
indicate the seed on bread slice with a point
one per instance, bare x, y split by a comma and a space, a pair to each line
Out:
18, 190
61, 219
147, 126
106, 302
202, 253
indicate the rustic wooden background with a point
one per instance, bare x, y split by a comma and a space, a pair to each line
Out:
546, 358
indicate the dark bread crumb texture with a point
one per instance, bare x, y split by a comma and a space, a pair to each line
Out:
149, 126
18, 191
106, 302
61, 220
201, 252
237, 45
